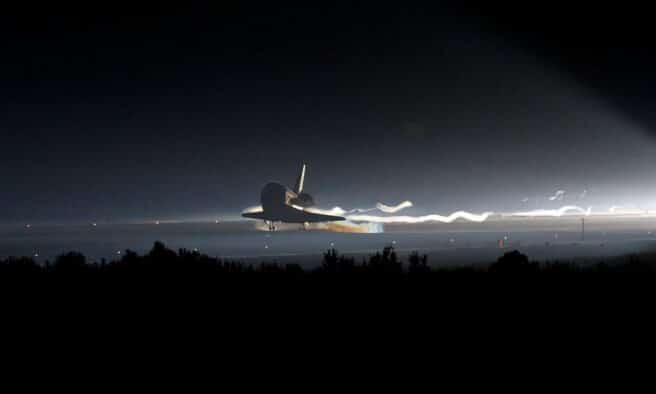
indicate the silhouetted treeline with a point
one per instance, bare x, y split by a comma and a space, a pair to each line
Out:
161, 261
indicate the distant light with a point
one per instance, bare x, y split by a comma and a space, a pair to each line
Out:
94, 224
452, 240
36, 255
195, 249
216, 221
28, 225
157, 222
505, 237
393, 242
118, 252
332, 244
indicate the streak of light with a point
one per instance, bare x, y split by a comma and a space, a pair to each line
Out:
422, 219
554, 212
393, 209
617, 210
379, 206
558, 196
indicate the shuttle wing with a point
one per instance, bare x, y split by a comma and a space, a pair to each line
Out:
254, 215
289, 214
311, 217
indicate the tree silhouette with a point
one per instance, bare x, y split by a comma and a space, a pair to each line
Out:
164, 263
417, 264
385, 263
332, 263
71, 262
514, 262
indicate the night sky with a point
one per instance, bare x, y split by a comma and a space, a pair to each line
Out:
178, 112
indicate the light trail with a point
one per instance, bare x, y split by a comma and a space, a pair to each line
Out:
387, 209
554, 212
422, 219
558, 196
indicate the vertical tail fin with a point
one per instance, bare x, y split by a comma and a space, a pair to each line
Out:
298, 188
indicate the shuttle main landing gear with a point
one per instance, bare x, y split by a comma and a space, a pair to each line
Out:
272, 225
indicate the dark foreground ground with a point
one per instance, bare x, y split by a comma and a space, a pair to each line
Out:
187, 292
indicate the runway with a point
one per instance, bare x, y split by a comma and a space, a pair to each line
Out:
454, 244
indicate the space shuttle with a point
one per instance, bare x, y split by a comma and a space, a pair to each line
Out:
281, 204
